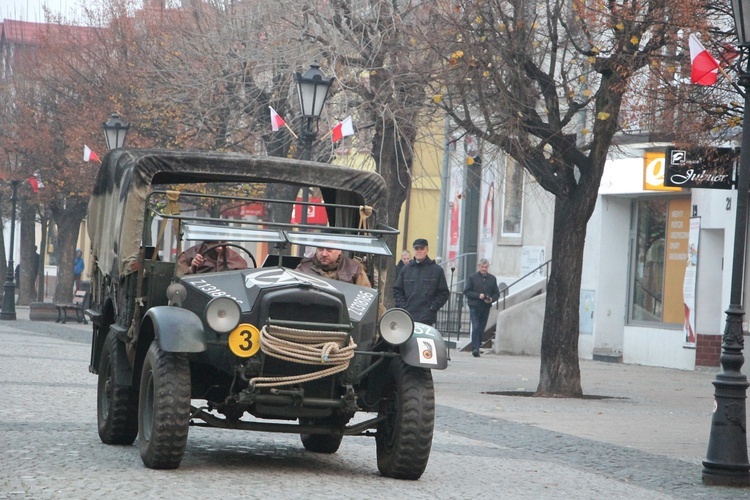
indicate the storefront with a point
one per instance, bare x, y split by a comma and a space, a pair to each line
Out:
654, 265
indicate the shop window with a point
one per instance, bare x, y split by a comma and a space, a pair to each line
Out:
512, 200
661, 240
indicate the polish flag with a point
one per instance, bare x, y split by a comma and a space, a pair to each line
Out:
342, 129
276, 121
35, 181
704, 68
89, 155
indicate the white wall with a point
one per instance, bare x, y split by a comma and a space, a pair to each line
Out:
607, 273
711, 206
519, 328
709, 316
657, 347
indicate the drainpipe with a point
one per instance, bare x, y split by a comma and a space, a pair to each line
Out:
443, 191
407, 209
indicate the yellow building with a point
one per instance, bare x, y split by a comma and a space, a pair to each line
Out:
420, 212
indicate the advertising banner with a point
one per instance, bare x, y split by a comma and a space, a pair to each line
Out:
487, 211
689, 284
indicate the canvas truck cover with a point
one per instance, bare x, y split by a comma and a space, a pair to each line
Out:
117, 206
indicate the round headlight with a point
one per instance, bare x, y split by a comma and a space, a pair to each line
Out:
223, 314
396, 326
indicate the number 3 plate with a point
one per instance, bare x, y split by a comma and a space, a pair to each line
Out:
244, 341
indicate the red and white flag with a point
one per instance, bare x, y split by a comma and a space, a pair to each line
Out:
35, 181
704, 68
89, 155
276, 121
342, 129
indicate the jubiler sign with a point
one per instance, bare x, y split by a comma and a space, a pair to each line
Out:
708, 168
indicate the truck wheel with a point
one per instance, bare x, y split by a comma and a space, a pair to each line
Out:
116, 405
404, 437
164, 408
321, 443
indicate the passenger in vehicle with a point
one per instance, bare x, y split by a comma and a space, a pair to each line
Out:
196, 260
331, 263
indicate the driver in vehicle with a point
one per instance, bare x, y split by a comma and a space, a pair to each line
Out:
202, 258
331, 263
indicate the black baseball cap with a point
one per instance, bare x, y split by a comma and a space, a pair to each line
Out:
420, 242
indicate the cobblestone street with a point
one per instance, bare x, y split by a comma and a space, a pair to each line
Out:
645, 438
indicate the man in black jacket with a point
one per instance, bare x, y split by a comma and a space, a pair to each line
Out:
481, 291
421, 287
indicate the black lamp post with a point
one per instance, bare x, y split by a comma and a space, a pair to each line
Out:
726, 462
312, 90
115, 131
9, 287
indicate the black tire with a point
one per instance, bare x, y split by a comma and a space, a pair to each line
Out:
164, 408
404, 438
321, 443
116, 405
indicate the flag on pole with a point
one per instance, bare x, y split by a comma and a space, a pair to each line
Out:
276, 121
704, 68
89, 155
342, 129
35, 181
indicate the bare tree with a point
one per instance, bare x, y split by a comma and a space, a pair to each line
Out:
224, 63
548, 82
380, 68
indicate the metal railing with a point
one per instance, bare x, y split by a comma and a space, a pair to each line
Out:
451, 317
464, 264
504, 292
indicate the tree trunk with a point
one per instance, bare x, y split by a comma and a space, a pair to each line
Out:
27, 277
560, 373
68, 222
41, 285
392, 151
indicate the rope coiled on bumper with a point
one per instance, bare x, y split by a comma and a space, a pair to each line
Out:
310, 347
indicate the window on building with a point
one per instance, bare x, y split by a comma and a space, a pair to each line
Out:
661, 241
512, 200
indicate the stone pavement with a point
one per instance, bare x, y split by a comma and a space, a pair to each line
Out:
642, 433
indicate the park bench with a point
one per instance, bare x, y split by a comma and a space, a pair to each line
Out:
79, 304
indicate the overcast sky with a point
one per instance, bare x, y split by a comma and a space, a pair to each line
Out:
31, 10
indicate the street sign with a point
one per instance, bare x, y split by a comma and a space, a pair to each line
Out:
706, 168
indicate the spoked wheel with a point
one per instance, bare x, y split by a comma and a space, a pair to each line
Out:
164, 408
404, 437
116, 405
320, 443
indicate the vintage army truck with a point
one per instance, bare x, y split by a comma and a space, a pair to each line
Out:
265, 348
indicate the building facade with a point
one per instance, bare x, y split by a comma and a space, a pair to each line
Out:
657, 259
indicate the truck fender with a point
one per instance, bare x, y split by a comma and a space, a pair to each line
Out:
176, 329
426, 348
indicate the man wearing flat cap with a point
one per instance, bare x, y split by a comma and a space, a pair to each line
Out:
421, 287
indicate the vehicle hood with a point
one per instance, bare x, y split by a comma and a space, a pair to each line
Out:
246, 286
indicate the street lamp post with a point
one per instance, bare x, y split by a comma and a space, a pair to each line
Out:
115, 131
726, 462
9, 287
312, 90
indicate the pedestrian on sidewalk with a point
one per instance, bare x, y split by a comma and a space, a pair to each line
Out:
405, 259
481, 291
421, 287
78, 267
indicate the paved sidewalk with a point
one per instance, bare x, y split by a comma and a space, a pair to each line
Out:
658, 410
647, 429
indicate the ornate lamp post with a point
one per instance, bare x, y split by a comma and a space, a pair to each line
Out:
115, 131
312, 90
726, 462
9, 287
